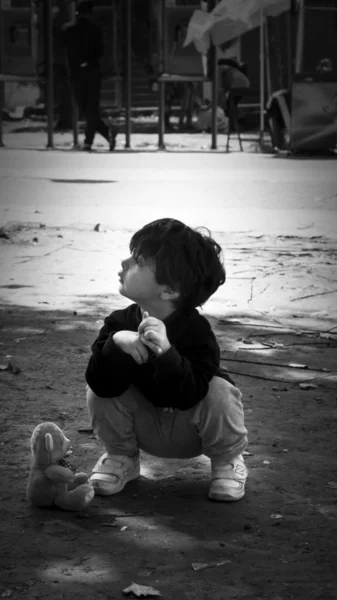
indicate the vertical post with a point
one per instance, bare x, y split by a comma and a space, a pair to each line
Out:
215, 84
71, 10
127, 75
289, 49
49, 80
267, 60
299, 38
2, 84
262, 82
161, 85
74, 120
2, 103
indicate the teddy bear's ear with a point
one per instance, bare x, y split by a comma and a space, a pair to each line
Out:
49, 444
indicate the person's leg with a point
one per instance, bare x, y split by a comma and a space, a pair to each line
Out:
77, 89
219, 419
94, 113
214, 427
128, 423
80, 87
112, 421
91, 94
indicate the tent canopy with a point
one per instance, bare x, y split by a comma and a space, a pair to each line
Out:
230, 19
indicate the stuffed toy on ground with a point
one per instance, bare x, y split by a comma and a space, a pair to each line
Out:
52, 481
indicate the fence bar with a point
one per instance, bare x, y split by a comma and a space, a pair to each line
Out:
128, 74
215, 77
262, 76
49, 81
161, 85
71, 14
2, 83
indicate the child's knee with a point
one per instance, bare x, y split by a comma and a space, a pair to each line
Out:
222, 395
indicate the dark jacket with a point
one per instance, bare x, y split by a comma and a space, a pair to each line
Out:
179, 378
83, 43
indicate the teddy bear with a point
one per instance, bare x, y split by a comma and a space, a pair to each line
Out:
52, 480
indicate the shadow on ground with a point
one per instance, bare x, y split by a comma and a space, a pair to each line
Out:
277, 543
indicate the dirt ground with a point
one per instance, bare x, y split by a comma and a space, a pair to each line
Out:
278, 543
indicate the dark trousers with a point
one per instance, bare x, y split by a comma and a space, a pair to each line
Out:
87, 91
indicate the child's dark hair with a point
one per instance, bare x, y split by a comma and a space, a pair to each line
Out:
187, 260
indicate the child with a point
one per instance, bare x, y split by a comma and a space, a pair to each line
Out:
154, 381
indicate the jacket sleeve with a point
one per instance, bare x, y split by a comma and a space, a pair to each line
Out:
109, 371
182, 378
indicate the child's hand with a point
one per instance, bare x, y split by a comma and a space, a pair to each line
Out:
130, 343
152, 333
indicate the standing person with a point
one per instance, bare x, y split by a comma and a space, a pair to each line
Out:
84, 49
154, 376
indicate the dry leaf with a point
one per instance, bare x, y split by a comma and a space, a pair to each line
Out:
141, 590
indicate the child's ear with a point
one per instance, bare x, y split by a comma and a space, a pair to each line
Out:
49, 444
168, 293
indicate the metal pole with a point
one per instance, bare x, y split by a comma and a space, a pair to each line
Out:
267, 57
2, 103
74, 121
49, 80
299, 38
262, 82
2, 84
215, 85
289, 49
127, 76
74, 109
161, 85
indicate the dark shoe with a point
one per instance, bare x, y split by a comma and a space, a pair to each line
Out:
87, 147
112, 138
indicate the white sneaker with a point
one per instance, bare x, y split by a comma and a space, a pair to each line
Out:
228, 481
112, 473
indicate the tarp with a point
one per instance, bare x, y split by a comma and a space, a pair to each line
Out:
230, 19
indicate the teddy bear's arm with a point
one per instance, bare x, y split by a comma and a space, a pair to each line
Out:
59, 474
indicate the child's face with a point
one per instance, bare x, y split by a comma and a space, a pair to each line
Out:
138, 280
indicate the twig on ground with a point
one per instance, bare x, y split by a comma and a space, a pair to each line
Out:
270, 378
312, 295
272, 364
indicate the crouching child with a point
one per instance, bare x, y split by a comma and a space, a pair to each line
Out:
154, 377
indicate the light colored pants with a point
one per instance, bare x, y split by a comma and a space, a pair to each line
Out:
129, 423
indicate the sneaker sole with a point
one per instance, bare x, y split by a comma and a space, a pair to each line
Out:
226, 497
